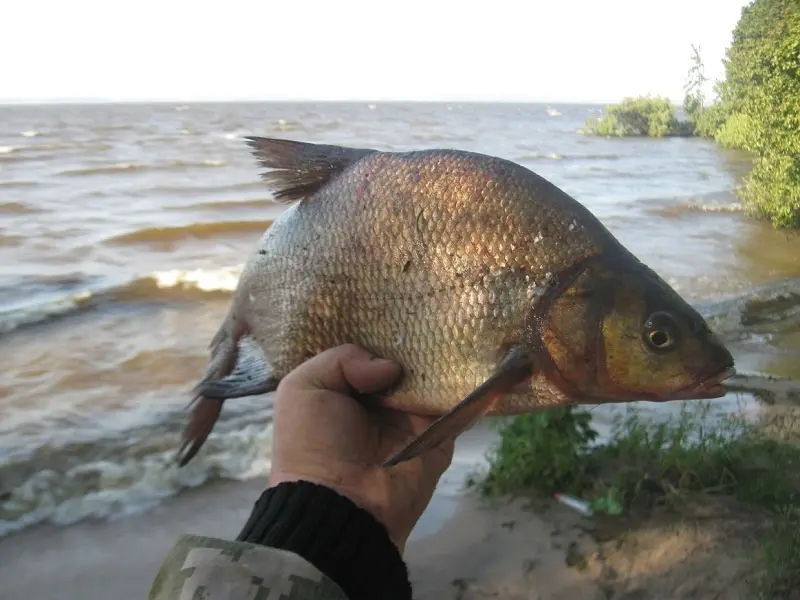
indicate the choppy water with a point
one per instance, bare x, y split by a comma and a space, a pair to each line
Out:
123, 229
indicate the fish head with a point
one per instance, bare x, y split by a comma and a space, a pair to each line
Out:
617, 332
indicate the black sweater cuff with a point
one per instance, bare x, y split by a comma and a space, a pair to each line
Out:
330, 531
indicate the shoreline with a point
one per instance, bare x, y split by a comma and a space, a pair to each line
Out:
125, 555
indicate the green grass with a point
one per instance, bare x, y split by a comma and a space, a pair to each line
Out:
646, 465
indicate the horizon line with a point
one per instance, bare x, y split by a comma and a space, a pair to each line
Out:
43, 101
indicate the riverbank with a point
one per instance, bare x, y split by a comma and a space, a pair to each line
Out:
694, 507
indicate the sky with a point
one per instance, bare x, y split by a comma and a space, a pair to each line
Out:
436, 50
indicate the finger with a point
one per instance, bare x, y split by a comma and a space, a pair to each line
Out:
343, 369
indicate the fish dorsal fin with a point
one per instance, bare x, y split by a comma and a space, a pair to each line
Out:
298, 169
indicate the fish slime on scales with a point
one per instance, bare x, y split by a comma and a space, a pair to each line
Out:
496, 291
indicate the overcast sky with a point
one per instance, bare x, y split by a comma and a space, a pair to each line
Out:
528, 50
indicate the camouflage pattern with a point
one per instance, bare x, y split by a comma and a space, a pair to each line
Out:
202, 568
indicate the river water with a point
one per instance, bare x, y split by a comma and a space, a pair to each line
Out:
123, 229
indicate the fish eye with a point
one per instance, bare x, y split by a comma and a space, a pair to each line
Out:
661, 331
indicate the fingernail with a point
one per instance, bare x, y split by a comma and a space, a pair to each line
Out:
378, 359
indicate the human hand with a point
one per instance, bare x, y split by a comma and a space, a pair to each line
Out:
325, 436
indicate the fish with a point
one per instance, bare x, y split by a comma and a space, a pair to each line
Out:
496, 291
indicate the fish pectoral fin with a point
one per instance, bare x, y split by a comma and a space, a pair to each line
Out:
299, 169
250, 376
515, 368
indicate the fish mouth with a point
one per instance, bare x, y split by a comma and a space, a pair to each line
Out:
708, 386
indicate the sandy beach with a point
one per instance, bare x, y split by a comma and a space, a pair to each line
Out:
461, 549
510, 549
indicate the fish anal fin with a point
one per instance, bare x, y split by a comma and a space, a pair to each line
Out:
249, 376
513, 370
299, 169
205, 413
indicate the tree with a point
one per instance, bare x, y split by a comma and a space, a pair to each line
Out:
761, 94
694, 101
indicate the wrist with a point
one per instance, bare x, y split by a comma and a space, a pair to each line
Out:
333, 533
353, 492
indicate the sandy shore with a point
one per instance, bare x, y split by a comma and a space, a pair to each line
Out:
462, 549
509, 549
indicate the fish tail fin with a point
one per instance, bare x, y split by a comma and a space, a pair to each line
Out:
299, 169
248, 374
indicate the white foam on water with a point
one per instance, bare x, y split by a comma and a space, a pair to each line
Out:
207, 280
133, 483
222, 279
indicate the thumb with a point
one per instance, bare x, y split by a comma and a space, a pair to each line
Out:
344, 369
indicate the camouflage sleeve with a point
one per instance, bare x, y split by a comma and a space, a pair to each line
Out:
213, 569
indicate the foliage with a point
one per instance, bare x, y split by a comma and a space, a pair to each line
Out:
738, 131
711, 119
642, 116
544, 449
644, 463
761, 94
772, 189
694, 101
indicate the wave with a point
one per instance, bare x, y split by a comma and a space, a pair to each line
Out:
16, 157
556, 156
175, 284
161, 235
675, 211
127, 168
225, 205
243, 186
440, 137
18, 184
17, 208
132, 470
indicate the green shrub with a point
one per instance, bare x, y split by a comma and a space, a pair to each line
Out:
641, 116
738, 131
711, 120
544, 450
772, 189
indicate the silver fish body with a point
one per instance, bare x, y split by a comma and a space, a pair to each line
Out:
446, 261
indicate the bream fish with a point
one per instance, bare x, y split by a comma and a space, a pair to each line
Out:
496, 291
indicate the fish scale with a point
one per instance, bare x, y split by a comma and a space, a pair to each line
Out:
495, 290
